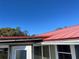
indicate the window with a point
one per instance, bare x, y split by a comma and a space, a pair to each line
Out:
3, 53
64, 52
20, 54
45, 52
41, 52
37, 52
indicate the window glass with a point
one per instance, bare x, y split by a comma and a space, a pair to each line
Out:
63, 48
20, 54
64, 56
77, 51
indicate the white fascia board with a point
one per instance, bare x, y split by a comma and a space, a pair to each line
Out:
61, 42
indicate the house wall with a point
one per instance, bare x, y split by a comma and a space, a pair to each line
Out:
49, 52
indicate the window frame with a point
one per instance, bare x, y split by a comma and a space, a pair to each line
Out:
42, 51
72, 49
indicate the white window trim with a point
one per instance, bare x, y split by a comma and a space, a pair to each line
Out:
72, 48
49, 52
56, 52
64, 52
42, 51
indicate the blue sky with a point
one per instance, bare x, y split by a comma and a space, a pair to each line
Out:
38, 16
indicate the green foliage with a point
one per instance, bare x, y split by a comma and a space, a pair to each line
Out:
12, 32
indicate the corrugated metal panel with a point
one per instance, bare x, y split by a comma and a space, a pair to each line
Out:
65, 33
14, 37
19, 39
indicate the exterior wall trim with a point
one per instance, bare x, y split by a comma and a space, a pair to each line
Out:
61, 42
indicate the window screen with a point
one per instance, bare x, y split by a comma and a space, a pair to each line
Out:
3, 53
37, 52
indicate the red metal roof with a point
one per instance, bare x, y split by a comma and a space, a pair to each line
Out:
65, 33
61, 34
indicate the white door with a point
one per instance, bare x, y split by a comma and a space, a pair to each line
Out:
21, 52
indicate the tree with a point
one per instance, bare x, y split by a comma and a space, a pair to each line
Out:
11, 32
